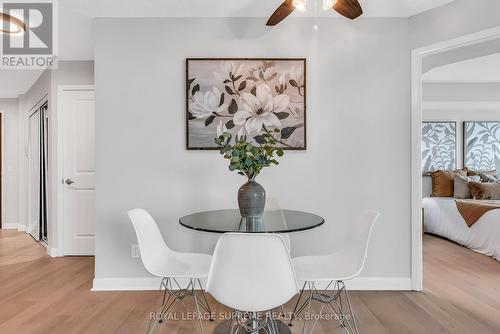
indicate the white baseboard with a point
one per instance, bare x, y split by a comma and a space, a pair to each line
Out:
53, 252
21, 228
153, 283
126, 284
379, 283
10, 226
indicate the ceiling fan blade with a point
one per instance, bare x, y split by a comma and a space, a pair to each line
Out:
285, 9
348, 8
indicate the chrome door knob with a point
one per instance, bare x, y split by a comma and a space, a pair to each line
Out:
69, 182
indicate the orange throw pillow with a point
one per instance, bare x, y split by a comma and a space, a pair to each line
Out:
443, 182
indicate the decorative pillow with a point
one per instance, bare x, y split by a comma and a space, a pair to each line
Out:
443, 182
489, 178
481, 190
471, 172
461, 186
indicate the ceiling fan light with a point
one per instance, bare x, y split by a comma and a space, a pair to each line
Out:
9, 24
328, 4
300, 5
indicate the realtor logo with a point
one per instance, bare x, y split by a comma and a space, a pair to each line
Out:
36, 47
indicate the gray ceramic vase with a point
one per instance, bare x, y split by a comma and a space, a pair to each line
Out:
251, 199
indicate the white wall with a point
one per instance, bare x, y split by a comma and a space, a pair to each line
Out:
9, 162
358, 87
358, 140
74, 73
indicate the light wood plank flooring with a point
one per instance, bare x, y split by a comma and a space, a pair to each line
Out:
39, 294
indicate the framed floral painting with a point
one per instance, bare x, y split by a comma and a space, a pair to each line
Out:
482, 146
439, 146
246, 97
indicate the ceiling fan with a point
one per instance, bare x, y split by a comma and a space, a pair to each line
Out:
10, 24
348, 8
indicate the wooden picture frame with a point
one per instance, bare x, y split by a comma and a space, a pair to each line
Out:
219, 100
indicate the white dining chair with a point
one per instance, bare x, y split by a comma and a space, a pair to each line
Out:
272, 204
171, 266
252, 273
333, 270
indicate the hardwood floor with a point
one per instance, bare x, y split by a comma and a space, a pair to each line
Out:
39, 294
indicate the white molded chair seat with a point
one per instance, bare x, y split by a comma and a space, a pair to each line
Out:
244, 276
272, 204
336, 268
163, 262
158, 258
345, 264
185, 266
252, 273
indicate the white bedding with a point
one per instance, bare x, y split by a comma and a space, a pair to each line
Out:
441, 217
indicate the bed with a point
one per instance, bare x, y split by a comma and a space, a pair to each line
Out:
441, 217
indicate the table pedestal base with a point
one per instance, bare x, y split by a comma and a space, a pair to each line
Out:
223, 328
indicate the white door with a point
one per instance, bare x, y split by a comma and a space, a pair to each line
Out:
34, 175
78, 112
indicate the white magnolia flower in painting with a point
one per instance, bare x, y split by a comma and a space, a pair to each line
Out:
260, 109
264, 73
205, 104
297, 75
228, 71
282, 79
221, 128
296, 142
242, 132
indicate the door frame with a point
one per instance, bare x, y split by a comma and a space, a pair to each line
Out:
27, 152
2, 183
416, 135
35, 109
58, 167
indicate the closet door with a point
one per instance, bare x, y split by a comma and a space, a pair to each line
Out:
44, 163
34, 175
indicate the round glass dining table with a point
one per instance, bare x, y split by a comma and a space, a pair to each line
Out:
230, 220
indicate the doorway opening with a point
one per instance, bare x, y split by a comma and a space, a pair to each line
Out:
444, 105
1, 171
76, 173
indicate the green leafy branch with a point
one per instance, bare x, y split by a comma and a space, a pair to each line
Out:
247, 158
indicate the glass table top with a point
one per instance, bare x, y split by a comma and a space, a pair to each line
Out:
278, 221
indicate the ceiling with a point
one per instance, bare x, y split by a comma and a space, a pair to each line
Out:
75, 19
232, 8
478, 70
15, 82
75, 22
